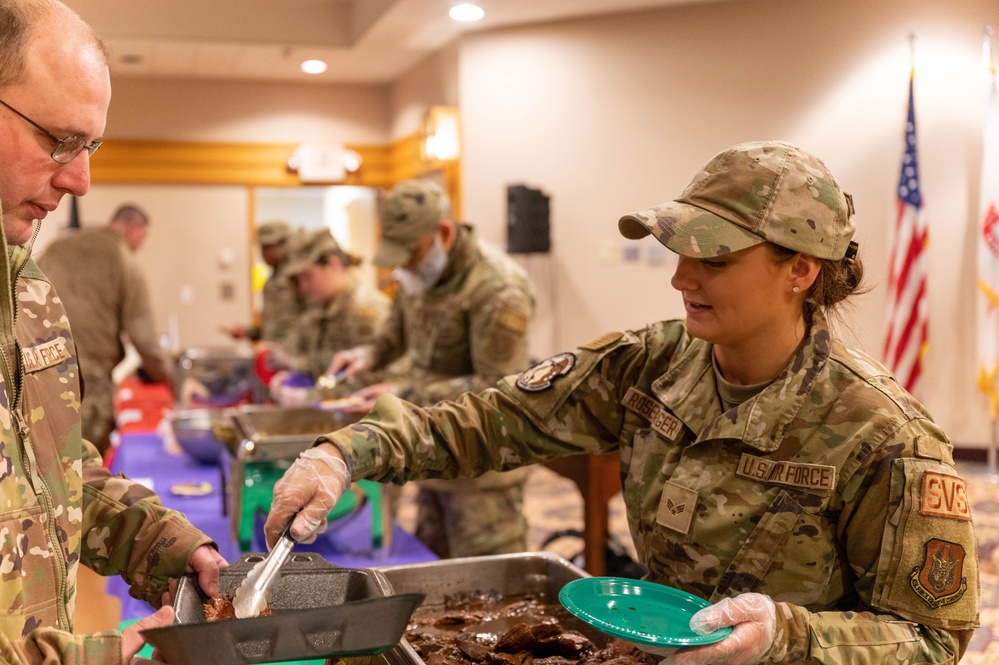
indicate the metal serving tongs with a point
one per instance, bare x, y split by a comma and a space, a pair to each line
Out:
251, 596
327, 383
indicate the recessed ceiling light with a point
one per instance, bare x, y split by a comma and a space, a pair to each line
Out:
466, 12
314, 66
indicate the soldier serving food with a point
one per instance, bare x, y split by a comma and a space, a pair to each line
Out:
767, 467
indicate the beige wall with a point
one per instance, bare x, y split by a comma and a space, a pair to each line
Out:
433, 82
195, 258
616, 113
196, 110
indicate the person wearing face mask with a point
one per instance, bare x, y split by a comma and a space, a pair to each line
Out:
458, 323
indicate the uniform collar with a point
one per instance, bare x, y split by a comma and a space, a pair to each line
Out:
460, 257
689, 390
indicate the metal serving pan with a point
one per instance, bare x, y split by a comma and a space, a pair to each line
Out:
281, 433
217, 377
319, 611
539, 573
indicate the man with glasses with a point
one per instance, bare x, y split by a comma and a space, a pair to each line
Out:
60, 507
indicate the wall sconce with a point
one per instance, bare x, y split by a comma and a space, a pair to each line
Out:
441, 134
315, 162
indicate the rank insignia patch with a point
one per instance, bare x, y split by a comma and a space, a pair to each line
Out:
939, 580
540, 376
676, 507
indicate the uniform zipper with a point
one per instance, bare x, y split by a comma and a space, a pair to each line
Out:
28, 458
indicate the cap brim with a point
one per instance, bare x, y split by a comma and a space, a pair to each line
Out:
295, 268
391, 254
688, 230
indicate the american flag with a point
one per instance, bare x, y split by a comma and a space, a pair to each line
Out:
907, 339
988, 255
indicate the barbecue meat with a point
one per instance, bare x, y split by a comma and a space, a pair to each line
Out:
487, 629
219, 607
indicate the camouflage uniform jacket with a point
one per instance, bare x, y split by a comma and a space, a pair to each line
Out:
282, 305
343, 322
61, 507
464, 334
832, 491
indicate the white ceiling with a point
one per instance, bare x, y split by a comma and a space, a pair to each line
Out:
364, 41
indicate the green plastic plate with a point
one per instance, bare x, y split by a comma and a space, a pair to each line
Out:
644, 613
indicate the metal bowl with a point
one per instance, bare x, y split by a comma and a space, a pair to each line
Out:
193, 431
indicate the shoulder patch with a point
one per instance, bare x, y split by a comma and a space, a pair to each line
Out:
540, 376
942, 495
513, 319
940, 580
602, 341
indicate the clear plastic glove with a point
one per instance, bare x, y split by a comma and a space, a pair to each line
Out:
310, 487
351, 362
753, 617
276, 385
370, 395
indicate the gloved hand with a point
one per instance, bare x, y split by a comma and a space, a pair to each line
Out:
753, 617
351, 362
310, 487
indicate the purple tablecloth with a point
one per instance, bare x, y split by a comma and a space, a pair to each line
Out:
347, 543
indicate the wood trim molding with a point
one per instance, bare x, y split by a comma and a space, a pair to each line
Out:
258, 164
184, 162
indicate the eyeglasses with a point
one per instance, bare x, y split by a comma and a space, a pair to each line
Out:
65, 149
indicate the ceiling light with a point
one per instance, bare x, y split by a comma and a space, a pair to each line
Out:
314, 66
466, 12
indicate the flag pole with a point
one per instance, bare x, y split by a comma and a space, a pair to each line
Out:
992, 456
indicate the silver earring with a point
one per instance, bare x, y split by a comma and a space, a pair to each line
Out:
796, 289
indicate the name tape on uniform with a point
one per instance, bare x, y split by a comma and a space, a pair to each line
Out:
659, 418
45, 355
944, 496
796, 474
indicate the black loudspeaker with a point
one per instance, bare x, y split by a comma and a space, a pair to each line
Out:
527, 230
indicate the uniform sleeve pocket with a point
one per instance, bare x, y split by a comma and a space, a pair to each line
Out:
887, 633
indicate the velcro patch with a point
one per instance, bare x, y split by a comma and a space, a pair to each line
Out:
512, 319
659, 418
795, 474
602, 341
944, 496
45, 355
540, 377
676, 507
940, 579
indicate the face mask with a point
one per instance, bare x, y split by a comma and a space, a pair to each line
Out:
425, 274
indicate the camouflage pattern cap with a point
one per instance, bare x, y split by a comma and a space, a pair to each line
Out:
272, 233
412, 209
307, 249
749, 194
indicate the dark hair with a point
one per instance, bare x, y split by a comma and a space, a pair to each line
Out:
836, 281
18, 21
130, 213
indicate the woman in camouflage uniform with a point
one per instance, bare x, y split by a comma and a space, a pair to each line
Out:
766, 466
342, 311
